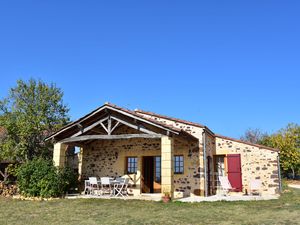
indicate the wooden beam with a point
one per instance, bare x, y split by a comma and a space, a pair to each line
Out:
109, 137
133, 126
109, 125
71, 125
104, 127
114, 127
141, 119
89, 127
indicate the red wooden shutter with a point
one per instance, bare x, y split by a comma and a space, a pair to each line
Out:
234, 171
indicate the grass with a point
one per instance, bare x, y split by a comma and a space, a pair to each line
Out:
286, 210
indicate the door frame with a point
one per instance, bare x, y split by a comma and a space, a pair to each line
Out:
154, 187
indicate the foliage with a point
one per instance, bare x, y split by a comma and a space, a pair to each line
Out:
39, 177
288, 141
253, 135
30, 113
9, 173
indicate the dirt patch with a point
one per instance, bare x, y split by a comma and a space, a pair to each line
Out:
296, 182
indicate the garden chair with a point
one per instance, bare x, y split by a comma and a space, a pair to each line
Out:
106, 185
225, 185
94, 184
120, 189
255, 187
87, 187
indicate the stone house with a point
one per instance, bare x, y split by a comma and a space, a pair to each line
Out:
163, 154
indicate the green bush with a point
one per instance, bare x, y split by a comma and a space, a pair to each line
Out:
40, 177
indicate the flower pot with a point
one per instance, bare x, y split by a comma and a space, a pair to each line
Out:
166, 199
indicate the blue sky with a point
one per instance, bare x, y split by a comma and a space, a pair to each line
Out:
229, 65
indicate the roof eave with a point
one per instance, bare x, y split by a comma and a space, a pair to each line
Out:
120, 110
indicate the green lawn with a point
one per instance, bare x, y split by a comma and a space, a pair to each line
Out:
286, 210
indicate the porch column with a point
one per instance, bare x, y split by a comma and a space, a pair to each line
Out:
80, 162
59, 154
167, 178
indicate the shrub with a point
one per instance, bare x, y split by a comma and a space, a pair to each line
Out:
41, 178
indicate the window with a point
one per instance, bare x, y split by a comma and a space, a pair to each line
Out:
157, 161
131, 165
178, 164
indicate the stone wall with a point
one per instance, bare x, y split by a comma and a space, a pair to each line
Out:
196, 131
256, 162
108, 158
189, 182
210, 145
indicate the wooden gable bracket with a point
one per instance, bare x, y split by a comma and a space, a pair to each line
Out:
79, 126
91, 127
109, 128
134, 126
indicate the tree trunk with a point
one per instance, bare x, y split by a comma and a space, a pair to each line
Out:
293, 173
4, 175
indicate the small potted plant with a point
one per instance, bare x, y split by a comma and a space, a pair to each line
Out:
166, 197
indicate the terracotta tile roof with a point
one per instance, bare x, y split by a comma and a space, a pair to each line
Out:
202, 126
174, 119
138, 113
247, 143
169, 118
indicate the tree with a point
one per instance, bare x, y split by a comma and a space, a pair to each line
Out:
30, 113
253, 135
288, 141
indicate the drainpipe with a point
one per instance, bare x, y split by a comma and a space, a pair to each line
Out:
204, 160
279, 173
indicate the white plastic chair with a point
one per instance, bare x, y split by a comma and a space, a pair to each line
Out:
255, 187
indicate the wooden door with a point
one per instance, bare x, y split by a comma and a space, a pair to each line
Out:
234, 171
148, 168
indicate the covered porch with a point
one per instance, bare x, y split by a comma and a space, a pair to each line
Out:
116, 143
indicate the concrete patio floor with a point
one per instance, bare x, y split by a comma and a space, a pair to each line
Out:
216, 198
294, 185
146, 197
157, 197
